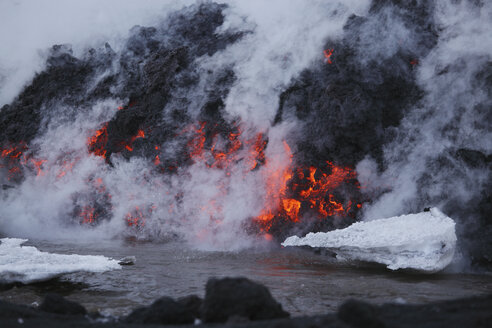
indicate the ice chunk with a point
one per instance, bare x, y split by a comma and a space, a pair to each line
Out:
424, 241
27, 264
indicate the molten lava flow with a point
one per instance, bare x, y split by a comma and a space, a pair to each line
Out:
10, 159
414, 62
222, 150
129, 145
37, 164
136, 217
328, 53
309, 191
319, 184
66, 167
290, 193
196, 144
14, 152
16, 158
291, 208
97, 142
276, 188
225, 152
257, 152
88, 215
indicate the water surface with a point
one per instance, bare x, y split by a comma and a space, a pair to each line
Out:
304, 282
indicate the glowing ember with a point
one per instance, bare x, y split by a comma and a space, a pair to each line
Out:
257, 152
414, 62
87, 215
328, 53
129, 144
157, 159
136, 217
16, 158
195, 145
37, 164
13, 152
223, 150
97, 142
10, 158
66, 167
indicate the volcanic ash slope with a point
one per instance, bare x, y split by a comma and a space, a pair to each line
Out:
424, 241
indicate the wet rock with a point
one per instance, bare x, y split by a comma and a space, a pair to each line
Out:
360, 314
127, 260
465, 312
239, 297
54, 303
164, 311
10, 310
193, 303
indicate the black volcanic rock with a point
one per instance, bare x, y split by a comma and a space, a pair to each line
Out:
164, 311
360, 314
466, 312
350, 107
239, 297
469, 312
193, 303
54, 303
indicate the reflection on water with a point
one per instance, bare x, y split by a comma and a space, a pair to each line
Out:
304, 282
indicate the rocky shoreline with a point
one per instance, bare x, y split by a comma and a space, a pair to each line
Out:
240, 302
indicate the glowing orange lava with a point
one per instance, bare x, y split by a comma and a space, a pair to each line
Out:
310, 190
328, 53
290, 193
196, 144
136, 217
88, 215
97, 142
129, 145
16, 158
257, 152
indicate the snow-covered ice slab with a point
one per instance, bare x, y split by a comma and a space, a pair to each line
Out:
27, 264
424, 241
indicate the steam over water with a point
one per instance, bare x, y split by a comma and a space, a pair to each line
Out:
210, 123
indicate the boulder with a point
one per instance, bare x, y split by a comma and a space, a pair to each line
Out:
192, 303
164, 311
239, 297
54, 303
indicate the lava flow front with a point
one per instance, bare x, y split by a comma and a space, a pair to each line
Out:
291, 192
294, 193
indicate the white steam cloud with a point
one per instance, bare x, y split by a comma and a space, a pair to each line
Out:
452, 115
29, 27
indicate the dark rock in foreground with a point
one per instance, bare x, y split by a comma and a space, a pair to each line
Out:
467, 312
239, 297
193, 303
164, 311
54, 303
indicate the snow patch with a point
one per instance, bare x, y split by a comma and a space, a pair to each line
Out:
26, 264
424, 241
